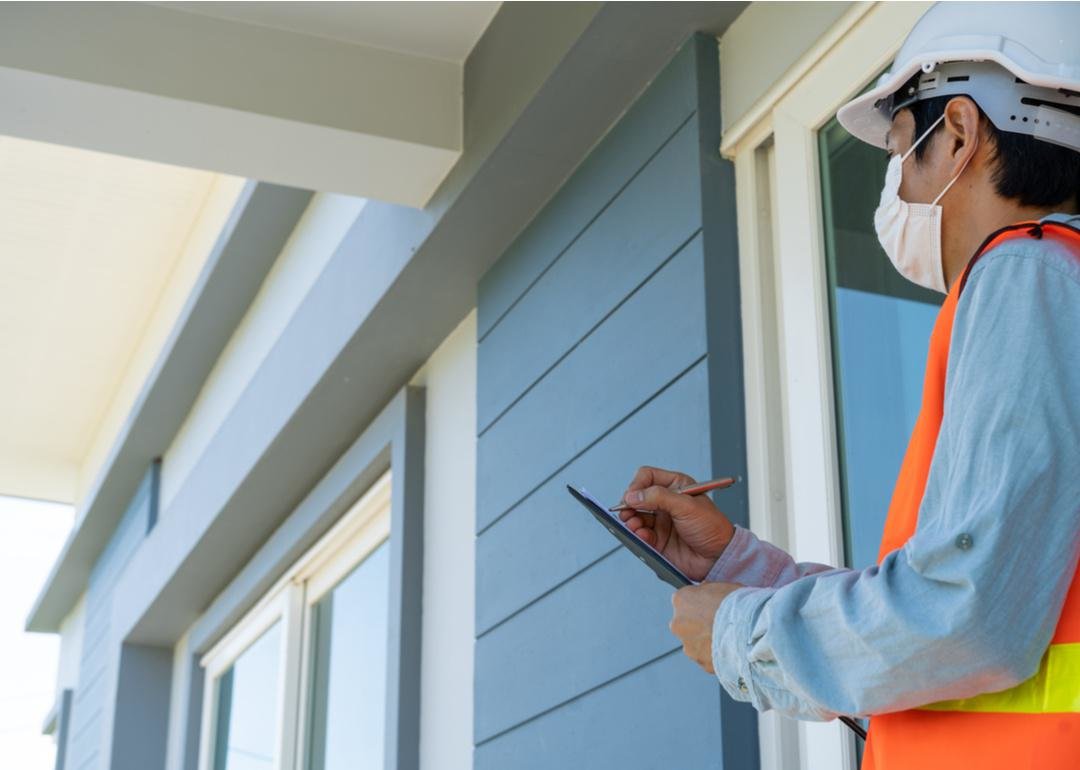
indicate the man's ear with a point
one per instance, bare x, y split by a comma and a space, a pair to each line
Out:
961, 135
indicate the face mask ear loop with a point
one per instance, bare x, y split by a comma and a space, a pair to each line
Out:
959, 173
918, 141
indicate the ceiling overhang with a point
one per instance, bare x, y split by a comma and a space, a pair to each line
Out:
245, 99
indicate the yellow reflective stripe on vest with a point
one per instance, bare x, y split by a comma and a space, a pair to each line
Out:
1055, 688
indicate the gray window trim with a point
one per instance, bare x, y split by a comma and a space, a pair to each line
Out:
62, 712
394, 441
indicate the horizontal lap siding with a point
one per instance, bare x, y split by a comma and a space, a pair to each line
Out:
643, 226
597, 385
98, 667
653, 717
593, 358
649, 123
562, 545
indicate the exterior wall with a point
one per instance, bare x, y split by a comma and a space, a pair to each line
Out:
94, 699
446, 668
302, 259
608, 338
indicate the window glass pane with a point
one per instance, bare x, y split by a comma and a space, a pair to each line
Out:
245, 737
880, 333
348, 670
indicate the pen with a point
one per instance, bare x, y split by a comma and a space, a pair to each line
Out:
697, 488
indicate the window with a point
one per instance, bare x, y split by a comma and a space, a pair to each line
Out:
809, 265
347, 694
300, 682
246, 726
881, 327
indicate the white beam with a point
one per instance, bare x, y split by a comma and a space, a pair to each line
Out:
252, 101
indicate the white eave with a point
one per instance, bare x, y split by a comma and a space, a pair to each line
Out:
97, 253
357, 98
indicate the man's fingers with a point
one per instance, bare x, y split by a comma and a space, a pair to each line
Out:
648, 476
628, 514
660, 498
641, 524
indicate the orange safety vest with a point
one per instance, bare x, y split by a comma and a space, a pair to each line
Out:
1033, 725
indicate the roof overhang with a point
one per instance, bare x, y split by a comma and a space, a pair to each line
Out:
239, 96
258, 226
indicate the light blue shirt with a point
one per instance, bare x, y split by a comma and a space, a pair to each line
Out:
970, 603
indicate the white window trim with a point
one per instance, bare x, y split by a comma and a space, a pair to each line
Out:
361, 530
792, 458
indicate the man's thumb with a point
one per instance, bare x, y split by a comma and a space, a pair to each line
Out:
657, 498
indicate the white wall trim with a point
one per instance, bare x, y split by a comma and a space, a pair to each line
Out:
781, 230
449, 591
769, 99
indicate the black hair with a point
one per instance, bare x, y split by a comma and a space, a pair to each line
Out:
1029, 170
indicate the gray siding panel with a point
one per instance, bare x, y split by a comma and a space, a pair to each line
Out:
600, 350
653, 118
609, 620
646, 223
99, 664
595, 386
603, 728
562, 543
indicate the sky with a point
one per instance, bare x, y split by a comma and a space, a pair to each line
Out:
31, 534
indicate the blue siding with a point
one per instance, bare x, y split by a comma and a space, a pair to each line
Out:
592, 389
512, 576
603, 728
600, 350
99, 665
649, 123
643, 226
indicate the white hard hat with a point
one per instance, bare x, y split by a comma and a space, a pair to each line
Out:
1020, 62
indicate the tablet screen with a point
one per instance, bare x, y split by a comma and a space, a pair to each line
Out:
652, 558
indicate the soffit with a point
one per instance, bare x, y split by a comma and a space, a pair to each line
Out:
88, 242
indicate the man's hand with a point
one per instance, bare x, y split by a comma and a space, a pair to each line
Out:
695, 608
689, 530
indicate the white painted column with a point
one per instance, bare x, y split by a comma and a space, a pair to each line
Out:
446, 685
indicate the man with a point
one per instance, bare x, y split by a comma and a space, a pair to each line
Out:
963, 643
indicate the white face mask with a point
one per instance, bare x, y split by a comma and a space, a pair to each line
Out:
910, 233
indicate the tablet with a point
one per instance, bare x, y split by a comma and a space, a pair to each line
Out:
652, 558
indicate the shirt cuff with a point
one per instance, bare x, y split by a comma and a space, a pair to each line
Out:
731, 642
747, 560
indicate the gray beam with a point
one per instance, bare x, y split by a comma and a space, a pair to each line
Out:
249, 243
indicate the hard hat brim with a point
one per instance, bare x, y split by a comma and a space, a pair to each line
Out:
861, 116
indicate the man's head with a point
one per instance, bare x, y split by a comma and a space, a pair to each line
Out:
993, 91
1030, 172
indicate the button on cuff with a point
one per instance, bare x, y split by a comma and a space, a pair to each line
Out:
732, 640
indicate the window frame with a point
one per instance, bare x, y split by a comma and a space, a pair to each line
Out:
791, 431
359, 532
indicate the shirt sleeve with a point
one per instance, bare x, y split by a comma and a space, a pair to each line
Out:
970, 603
754, 562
